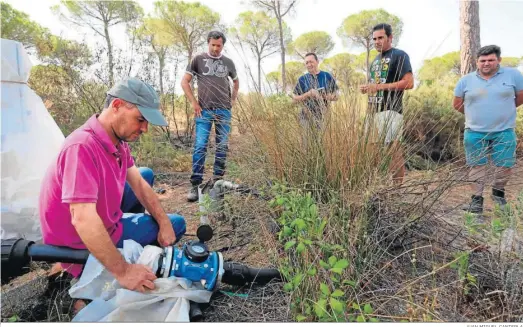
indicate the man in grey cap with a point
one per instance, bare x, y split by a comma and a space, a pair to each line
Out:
94, 197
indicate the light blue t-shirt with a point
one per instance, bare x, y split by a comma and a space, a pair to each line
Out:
490, 105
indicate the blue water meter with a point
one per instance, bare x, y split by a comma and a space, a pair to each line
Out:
194, 262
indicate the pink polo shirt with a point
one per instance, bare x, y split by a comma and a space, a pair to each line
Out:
89, 168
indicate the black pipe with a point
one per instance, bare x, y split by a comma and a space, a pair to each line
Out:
195, 312
50, 253
238, 274
17, 253
15, 261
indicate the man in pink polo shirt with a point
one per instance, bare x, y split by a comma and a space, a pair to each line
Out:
94, 197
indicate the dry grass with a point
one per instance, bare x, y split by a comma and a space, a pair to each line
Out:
412, 254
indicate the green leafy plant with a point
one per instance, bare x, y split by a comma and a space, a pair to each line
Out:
472, 224
302, 237
461, 265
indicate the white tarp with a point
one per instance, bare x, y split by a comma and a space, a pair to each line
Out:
30, 140
168, 302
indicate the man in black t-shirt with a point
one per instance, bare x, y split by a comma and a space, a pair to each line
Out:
390, 75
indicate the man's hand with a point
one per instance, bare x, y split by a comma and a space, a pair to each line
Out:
137, 277
166, 235
150, 201
233, 102
369, 88
313, 93
330, 96
197, 110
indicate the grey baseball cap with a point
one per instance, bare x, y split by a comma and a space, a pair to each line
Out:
143, 96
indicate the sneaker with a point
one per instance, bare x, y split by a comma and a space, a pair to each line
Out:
476, 205
498, 196
192, 196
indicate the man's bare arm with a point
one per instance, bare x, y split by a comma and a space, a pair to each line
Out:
406, 83
458, 104
236, 87
302, 97
92, 231
519, 98
331, 96
186, 87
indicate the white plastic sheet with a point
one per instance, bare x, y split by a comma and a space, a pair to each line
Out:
168, 302
30, 140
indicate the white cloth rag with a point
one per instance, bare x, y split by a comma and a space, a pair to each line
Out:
168, 302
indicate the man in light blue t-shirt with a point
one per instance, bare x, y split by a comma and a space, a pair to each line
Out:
489, 97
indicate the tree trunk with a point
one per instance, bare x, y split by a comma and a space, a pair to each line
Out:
161, 60
189, 56
469, 35
109, 53
367, 71
189, 121
174, 100
259, 74
277, 13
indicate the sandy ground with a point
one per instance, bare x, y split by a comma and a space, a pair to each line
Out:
460, 194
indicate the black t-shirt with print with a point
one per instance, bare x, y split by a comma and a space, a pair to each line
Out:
212, 75
388, 67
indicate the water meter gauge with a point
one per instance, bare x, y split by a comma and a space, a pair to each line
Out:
198, 249
196, 252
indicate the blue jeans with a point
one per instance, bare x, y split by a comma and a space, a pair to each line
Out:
137, 225
222, 126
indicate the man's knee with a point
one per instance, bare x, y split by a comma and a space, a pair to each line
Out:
201, 137
200, 146
504, 157
147, 174
222, 147
178, 223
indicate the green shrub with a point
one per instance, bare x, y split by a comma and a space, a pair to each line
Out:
155, 150
433, 128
